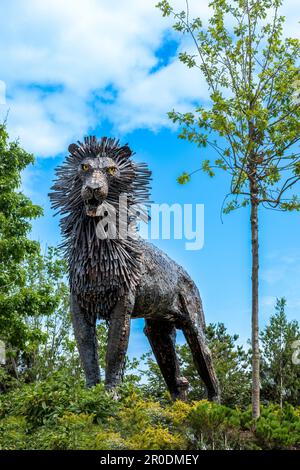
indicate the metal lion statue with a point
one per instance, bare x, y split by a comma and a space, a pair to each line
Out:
116, 277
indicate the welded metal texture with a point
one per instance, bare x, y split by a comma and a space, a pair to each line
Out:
120, 278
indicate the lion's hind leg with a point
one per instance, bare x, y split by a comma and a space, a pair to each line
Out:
192, 326
162, 336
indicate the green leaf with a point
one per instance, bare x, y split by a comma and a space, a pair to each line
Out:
184, 178
207, 168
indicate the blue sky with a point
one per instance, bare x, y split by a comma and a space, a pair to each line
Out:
110, 68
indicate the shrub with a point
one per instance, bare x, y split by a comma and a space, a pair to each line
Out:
13, 433
157, 438
215, 426
58, 414
71, 431
96, 401
278, 428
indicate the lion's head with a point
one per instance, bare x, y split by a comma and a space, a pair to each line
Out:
96, 171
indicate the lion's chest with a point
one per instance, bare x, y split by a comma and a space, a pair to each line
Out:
102, 271
96, 289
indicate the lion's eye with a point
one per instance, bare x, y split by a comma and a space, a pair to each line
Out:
111, 170
85, 167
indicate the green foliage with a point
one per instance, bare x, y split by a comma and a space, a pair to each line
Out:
72, 431
34, 298
184, 178
51, 399
26, 279
207, 168
48, 344
13, 433
277, 428
57, 414
16, 211
215, 426
252, 73
157, 438
280, 377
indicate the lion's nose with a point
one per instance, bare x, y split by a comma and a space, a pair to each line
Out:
98, 192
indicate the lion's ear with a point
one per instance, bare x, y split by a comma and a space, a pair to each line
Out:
126, 151
72, 148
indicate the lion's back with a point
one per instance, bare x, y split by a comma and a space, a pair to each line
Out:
162, 280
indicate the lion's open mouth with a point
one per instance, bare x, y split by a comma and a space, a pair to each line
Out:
91, 206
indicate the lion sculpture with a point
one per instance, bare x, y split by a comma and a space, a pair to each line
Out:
118, 278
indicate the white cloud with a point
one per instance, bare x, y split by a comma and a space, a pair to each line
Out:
146, 102
80, 48
45, 124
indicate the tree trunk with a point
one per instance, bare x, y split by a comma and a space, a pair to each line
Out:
281, 368
255, 327
281, 390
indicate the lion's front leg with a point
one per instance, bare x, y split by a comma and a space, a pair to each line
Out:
118, 337
85, 334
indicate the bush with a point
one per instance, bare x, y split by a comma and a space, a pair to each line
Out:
157, 438
58, 414
13, 433
215, 426
278, 428
71, 431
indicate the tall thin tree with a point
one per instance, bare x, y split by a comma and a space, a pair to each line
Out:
252, 120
